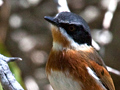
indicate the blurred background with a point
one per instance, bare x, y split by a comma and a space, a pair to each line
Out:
24, 33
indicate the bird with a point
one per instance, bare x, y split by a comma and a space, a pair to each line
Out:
73, 63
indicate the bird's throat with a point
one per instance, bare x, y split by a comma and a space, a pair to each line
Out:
59, 38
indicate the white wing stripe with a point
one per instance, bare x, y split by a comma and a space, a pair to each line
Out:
92, 73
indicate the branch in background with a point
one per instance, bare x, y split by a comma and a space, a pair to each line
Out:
7, 79
63, 6
114, 71
1, 2
109, 14
104, 36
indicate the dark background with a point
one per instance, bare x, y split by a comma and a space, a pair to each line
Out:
24, 33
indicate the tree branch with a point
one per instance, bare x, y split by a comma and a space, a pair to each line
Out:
7, 79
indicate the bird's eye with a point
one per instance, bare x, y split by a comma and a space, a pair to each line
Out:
71, 28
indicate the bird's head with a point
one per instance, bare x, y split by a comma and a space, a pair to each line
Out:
69, 31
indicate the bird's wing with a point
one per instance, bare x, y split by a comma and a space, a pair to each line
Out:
103, 75
98, 66
88, 58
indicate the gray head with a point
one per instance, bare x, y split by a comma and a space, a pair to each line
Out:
74, 25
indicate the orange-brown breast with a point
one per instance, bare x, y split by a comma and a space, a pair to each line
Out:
58, 37
75, 62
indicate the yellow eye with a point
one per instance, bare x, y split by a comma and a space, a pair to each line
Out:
71, 28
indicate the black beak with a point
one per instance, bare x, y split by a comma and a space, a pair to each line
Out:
51, 20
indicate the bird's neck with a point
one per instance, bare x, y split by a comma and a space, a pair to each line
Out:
59, 47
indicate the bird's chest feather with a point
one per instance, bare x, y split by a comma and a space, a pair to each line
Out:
61, 81
69, 70
59, 68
